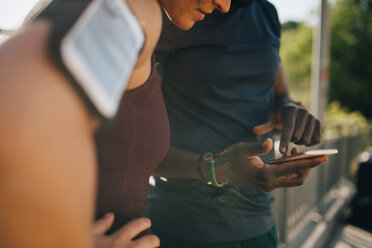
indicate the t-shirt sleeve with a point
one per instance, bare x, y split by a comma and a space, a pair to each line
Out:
274, 18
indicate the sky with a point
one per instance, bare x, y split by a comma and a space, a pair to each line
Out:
296, 10
13, 12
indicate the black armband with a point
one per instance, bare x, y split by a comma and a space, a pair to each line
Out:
63, 14
95, 44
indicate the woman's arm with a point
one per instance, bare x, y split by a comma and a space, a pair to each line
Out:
47, 156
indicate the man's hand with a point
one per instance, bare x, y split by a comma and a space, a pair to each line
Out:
240, 165
123, 238
297, 125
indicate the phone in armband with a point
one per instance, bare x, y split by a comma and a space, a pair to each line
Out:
303, 155
101, 50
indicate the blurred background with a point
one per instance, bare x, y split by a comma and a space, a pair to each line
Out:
326, 51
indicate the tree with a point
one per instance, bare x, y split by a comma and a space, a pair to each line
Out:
290, 25
351, 53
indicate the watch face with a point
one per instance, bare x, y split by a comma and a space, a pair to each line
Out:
101, 50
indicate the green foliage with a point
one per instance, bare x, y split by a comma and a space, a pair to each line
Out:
289, 25
296, 57
351, 53
296, 46
339, 120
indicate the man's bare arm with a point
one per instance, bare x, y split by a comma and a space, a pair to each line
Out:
241, 166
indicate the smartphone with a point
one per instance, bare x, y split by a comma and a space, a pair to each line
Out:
101, 50
305, 154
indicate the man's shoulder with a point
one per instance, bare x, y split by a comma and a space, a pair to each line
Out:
268, 4
272, 14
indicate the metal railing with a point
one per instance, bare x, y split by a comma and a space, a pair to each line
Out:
299, 210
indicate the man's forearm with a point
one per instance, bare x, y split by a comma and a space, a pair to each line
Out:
178, 164
281, 88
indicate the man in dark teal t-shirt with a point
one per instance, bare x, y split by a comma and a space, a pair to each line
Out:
221, 81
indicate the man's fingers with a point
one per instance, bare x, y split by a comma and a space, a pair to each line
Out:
306, 173
302, 173
300, 124
293, 182
295, 179
295, 151
102, 225
309, 131
264, 128
287, 131
256, 149
295, 166
148, 241
132, 229
317, 135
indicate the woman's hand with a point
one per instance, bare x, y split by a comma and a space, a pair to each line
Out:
123, 238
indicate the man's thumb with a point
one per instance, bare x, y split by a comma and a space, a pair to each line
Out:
102, 225
257, 149
265, 127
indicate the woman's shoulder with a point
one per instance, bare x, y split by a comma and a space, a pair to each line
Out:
149, 16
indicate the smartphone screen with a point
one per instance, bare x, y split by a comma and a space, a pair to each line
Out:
303, 155
101, 50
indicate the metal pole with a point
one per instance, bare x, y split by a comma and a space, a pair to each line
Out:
320, 81
320, 63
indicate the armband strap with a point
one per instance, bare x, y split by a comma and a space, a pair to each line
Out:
63, 14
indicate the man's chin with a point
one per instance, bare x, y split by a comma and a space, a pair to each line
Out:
185, 27
182, 24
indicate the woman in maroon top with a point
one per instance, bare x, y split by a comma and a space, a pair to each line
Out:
130, 150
